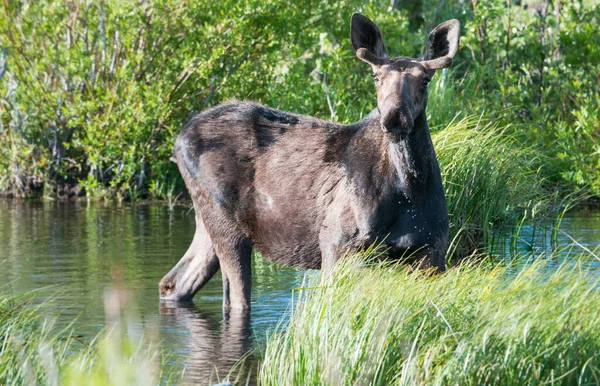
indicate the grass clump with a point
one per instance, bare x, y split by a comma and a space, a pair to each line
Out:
475, 324
490, 179
28, 352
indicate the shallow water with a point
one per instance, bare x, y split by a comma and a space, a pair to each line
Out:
577, 233
75, 252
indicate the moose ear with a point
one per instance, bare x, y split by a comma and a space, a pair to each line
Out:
442, 45
367, 41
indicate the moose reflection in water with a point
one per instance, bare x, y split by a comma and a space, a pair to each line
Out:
304, 191
213, 353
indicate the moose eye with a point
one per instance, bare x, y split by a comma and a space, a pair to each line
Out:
376, 79
425, 82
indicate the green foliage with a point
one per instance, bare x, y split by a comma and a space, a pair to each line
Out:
113, 361
489, 179
474, 325
535, 66
94, 93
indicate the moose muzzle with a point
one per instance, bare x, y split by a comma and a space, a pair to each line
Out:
397, 122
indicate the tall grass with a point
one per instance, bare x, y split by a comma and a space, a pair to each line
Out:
474, 325
29, 353
33, 352
489, 178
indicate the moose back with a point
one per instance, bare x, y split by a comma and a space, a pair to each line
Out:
303, 191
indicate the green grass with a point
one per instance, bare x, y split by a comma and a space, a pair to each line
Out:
476, 324
17, 324
33, 352
527, 322
490, 180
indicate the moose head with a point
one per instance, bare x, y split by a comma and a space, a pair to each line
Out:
401, 82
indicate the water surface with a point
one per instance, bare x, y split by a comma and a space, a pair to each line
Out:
76, 251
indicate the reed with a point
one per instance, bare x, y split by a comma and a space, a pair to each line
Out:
476, 324
490, 180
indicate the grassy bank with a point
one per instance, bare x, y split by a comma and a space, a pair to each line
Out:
527, 322
477, 324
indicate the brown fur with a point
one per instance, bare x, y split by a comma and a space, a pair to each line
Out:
303, 191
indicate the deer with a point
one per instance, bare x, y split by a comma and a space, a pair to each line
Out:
303, 191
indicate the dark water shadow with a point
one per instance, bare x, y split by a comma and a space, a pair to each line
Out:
214, 345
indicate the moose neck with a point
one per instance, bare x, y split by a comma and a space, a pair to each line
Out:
379, 165
411, 158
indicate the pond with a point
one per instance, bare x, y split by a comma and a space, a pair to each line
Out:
74, 252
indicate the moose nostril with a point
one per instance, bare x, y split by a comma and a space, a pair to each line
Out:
390, 123
407, 121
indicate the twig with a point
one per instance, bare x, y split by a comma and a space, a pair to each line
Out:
328, 96
580, 245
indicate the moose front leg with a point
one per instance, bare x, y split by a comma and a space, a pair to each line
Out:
435, 256
336, 231
426, 257
235, 259
330, 254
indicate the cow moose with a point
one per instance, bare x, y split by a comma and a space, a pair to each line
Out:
303, 191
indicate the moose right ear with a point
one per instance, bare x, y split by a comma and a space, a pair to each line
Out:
367, 41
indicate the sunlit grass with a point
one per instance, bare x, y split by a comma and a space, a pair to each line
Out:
29, 352
33, 352
476, 324
490, 179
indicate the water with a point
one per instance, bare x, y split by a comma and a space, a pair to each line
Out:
75, 252
578, 232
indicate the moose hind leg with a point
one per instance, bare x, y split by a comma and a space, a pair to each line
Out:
193, 271
235, 260
226, 293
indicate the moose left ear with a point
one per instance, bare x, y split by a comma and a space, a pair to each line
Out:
442, 45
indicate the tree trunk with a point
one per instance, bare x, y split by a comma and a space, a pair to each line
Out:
481, 31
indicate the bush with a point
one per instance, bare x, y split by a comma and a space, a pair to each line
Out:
94, 93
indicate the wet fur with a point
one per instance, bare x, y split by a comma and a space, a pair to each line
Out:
299, 189
304, 191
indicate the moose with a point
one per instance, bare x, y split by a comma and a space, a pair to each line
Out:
303, 191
